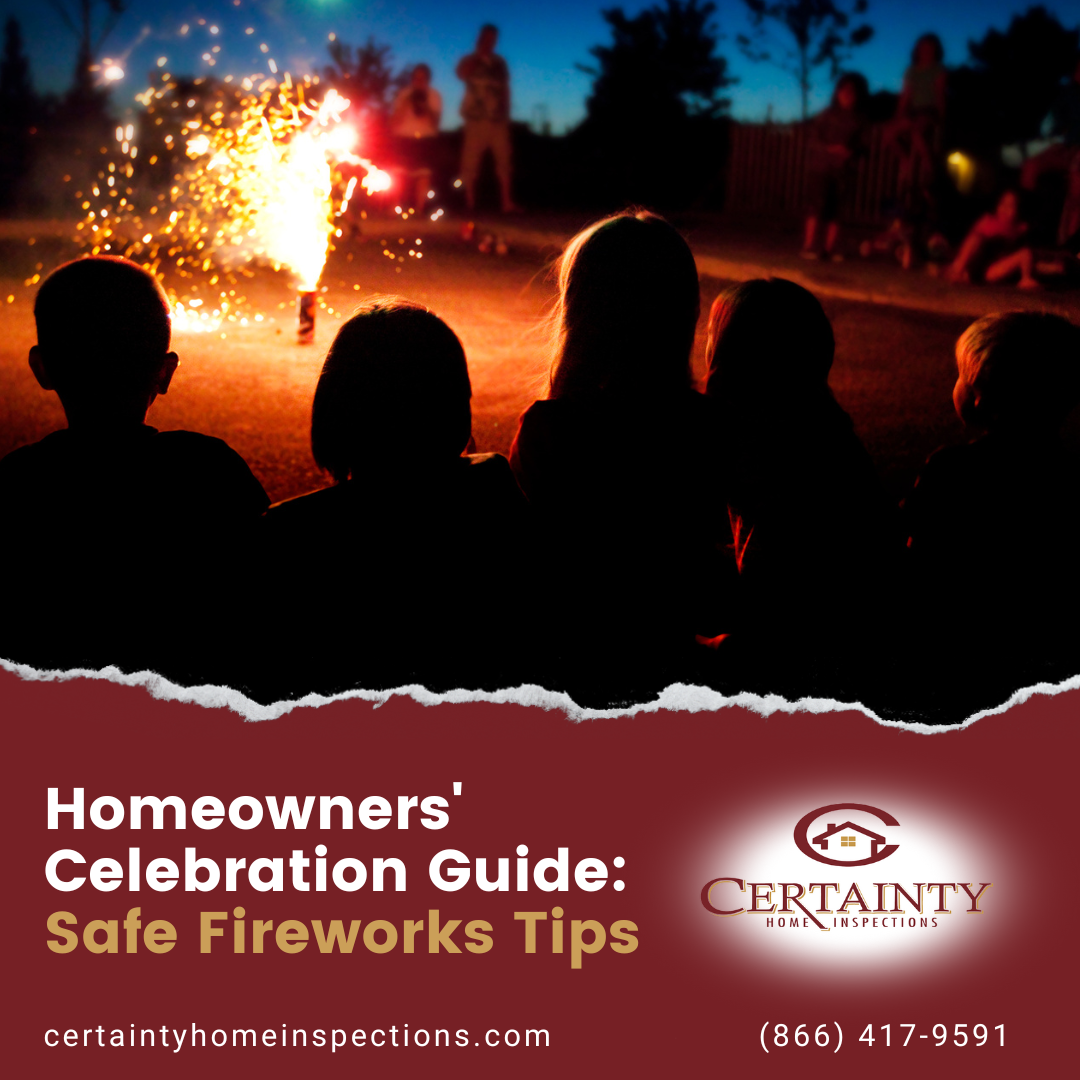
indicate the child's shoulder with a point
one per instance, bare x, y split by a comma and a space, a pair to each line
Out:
489, 474
492, 464
955, 461
991, 460
319, 504
194, 448
192, 444
28, 462
209, 464
548, 423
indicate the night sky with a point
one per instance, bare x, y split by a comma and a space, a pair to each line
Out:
542, 40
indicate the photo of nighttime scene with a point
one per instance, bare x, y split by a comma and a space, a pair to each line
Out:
355, 347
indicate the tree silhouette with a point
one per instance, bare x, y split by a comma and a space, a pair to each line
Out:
654, 131
1002, 96
79, 18
18, 104
661, 64
16, 88
821, 34
363, 74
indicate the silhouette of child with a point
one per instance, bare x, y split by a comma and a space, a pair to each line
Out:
994, 525
615, 461
419, 544
814, 538
994, 249
104, 513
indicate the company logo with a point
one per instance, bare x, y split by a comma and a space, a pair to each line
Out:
847, 844
844, 835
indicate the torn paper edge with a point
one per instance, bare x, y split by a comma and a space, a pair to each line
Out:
678, 697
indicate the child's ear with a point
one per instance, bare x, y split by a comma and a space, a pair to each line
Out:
37, 366
168, 370
967, 401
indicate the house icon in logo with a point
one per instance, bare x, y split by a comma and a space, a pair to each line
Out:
852, 838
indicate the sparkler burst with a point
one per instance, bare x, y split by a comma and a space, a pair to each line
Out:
260, 179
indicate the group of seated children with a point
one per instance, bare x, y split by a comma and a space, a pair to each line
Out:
642, 533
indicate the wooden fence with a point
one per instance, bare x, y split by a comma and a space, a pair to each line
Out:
767, 173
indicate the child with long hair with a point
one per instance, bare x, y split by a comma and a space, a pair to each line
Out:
615, 462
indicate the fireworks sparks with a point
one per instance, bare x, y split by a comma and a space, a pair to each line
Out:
263, 164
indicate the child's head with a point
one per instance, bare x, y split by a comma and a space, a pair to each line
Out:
770, 343
395, 384
103, 330
928, 51
628, 305
1008, 206
1020, 370
852, 91
421, 77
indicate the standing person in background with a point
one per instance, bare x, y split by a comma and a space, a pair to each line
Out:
921, 109
414, 124
837, 141
917, 134
486, 111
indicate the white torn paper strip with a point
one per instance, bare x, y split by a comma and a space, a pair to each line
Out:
677, 697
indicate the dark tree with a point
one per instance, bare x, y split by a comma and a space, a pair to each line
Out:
16, 87
655, 127
817, 32
18, 106
1003, 94
80, 17
662, 64
363, 74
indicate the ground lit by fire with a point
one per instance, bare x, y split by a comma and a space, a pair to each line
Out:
253, 387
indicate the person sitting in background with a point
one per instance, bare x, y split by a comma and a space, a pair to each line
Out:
616, 465
414, 125
994, 250
108, 515
994, 526
403, 571
815, 540
837, 140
